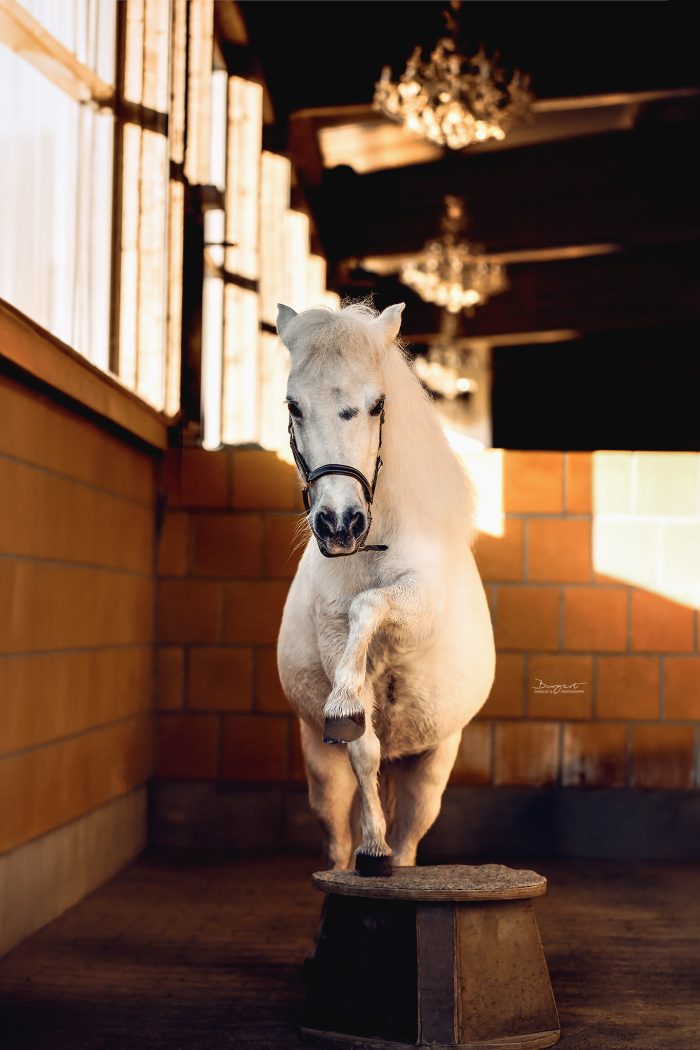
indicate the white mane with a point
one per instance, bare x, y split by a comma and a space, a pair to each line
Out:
421, 475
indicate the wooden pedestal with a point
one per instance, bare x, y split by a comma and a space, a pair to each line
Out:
443, 956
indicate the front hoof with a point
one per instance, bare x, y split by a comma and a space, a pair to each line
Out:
344, 730
373, 867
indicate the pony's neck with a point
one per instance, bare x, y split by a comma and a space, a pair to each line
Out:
422, 485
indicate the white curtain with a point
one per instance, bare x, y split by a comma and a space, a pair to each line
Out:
56, 184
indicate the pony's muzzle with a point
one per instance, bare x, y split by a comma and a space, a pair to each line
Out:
339, 534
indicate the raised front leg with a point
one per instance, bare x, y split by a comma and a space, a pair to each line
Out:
348, 709
345, 709
404, 605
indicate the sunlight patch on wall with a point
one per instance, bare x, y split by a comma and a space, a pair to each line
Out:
485, 468
646, 523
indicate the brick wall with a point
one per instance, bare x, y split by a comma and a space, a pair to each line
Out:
76, 612
584, 587
225, 559
592, 577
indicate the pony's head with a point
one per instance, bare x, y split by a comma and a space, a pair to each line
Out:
335, 397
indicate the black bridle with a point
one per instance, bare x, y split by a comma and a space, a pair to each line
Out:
310, 476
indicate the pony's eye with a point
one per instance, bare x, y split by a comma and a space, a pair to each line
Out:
294, 409
376, 409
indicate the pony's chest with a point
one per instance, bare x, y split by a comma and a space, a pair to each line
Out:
415, 703
403, 717
395, 670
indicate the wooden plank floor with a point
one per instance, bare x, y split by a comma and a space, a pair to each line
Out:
208, 956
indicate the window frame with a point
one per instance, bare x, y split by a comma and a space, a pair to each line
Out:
27, 348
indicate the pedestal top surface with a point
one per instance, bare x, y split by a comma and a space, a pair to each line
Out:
437, 882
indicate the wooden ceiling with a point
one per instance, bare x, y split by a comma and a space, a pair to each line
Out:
593, 203
607, 159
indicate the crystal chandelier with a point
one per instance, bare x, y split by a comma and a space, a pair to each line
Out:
452, 272
453, 100
458, 375
450, 369
448, 372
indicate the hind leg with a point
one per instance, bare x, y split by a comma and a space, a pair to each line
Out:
418, 783
332, 788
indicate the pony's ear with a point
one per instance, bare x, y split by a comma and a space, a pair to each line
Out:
285, 314
389, 321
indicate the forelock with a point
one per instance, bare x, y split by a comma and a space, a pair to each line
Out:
317, 336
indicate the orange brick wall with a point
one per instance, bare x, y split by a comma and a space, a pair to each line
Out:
225, 560
76, 614
570, 604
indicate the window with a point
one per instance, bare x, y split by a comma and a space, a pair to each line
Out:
92, 222
150, 204
124, 137
57, 78
262, 258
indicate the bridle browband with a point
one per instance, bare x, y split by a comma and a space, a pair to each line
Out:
310, 476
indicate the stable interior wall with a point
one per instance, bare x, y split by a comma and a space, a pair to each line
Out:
76, 653
588, 743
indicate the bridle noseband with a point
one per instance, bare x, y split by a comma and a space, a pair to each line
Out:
310, 476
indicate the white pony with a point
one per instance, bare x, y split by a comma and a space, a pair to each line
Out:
385, 655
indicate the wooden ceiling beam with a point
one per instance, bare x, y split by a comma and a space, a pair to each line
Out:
620, 189
364, 139
612, 292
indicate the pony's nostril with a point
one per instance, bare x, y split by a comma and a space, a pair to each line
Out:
358, 525
326, 523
